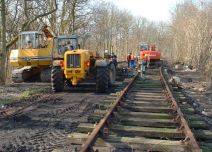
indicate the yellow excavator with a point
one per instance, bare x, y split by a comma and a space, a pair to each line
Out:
76, 65
33, 58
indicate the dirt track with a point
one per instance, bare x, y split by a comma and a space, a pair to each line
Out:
49, 118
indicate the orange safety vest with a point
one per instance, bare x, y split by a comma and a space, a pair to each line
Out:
131, 57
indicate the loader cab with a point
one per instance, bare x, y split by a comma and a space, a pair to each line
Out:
67, 43
31, 40
144, 47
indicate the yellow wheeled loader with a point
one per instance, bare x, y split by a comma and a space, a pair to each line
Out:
33, 58
77, 65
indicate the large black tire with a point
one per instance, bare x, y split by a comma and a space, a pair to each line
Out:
102, 79
112, 74
57, 79
45, 75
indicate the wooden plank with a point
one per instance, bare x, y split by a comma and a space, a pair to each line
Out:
145, 103
148, 85
150, 94
192, 117
203, 134
143, 122
85, 127
147, 91
141, 144
148, 109
147, 131
135, 131
99, 112
94, 118
137, 143
198, 125
107, 101
112, 97
206, 147
160, 96
187, 110
148, 99
150, 82
144, 114
102, 106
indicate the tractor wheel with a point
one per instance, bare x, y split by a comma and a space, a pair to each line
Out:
45, 75
102, 79
112, 74
57, 80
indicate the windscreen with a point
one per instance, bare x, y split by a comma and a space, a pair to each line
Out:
65, 44
73, 60
144, 47
28, 41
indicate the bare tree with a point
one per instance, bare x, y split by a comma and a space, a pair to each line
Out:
3, 48
31, 12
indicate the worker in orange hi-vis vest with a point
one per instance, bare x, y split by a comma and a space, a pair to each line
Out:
132, 60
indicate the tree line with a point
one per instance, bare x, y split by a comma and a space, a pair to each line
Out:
101, 25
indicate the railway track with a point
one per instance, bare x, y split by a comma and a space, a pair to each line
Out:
200, 126
140, 115
143, 117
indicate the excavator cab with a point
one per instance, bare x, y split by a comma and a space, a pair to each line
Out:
33, 40
33, 58
144, 47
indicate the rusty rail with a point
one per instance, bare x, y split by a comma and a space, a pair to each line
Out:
101, 124
189, 137
184, 125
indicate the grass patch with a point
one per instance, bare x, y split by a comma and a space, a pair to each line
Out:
29, 92
5, 101
25, 94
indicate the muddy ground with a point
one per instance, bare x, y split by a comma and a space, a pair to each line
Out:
48, 118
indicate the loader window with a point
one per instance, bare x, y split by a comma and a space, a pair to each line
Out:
66, 44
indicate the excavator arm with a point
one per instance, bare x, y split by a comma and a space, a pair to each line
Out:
47, 31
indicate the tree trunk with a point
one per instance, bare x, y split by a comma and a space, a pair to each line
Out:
3, 48
73, 16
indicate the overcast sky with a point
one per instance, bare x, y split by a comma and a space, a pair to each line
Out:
154, 10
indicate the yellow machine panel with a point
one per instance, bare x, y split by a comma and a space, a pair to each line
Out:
36, 53
76, 65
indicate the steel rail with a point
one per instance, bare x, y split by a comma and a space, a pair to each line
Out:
184, 125
102, 122
192, 143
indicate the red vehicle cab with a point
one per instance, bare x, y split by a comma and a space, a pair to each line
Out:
149, 53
